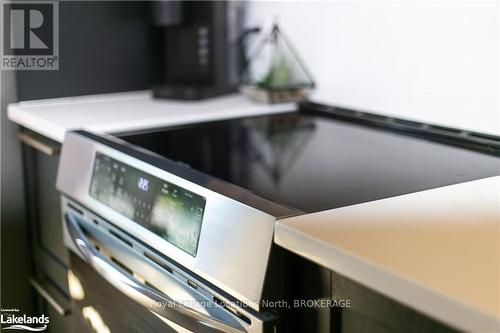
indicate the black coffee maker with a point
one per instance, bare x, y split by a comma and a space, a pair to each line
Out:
201, 52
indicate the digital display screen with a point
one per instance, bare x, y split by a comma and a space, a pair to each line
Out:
170, 211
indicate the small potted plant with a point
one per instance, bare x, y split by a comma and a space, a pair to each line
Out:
275, 73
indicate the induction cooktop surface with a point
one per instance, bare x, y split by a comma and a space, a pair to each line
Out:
313, 163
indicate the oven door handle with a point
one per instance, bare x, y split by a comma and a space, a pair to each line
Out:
179, 314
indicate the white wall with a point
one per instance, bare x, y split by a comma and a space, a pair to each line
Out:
431, 61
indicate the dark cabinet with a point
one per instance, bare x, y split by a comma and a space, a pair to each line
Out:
306, 282
50, 235
345, 306
51, 303
49, 257
352, 321
372, 312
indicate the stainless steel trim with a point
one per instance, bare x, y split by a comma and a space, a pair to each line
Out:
171, 309
48, 298
236, 239
43, 147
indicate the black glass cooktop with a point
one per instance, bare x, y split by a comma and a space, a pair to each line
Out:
315, 163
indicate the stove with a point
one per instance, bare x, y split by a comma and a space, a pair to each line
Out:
314, 163
184, 216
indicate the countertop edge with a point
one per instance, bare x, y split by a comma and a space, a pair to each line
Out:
18, 115
416, 296
25, 113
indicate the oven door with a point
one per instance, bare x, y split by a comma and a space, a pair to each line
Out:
114, 289
104, 309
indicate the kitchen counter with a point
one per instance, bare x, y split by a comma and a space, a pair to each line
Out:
129, 111
436, 251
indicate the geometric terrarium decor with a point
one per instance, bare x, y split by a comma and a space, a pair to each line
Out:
274, 73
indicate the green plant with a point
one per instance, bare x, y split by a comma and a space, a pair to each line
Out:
278, 75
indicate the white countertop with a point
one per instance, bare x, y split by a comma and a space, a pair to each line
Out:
129, 111
437, 251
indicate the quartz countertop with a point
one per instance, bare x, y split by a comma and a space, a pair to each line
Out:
437, 251
130, 111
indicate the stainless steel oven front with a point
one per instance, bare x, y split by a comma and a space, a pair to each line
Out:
157, 246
